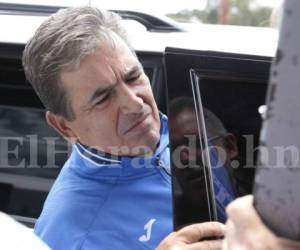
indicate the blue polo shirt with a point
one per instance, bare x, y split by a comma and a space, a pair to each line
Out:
100, 201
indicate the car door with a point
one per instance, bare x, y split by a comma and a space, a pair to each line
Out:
232, 89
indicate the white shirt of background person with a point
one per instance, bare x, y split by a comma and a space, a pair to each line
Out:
15, 236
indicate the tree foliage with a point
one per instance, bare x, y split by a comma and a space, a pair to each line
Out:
241, 12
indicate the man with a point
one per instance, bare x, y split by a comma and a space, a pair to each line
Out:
114, 191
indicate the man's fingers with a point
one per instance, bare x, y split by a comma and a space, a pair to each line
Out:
288, 244
206, 245
241, 209
196, 232
190, 237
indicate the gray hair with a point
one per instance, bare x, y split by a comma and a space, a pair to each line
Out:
60, 43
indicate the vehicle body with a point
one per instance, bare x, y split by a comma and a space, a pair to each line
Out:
167, 53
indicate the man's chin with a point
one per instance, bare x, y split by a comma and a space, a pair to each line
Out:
145, 145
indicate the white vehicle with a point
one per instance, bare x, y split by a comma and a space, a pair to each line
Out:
233, 61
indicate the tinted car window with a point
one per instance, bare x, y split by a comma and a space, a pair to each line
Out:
230, 89
28, 145
31, 156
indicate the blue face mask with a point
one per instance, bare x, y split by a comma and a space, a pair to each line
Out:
223, 188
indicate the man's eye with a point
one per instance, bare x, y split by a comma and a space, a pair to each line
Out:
134, 78
102, 100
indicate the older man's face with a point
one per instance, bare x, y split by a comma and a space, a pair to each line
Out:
113, 102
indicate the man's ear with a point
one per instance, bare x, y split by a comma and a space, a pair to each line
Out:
61, 125
230, 144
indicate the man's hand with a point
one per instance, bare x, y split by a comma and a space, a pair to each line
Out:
194, 237
245, 230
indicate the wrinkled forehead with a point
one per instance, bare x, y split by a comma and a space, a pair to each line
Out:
113, 45
104, 67
110, 49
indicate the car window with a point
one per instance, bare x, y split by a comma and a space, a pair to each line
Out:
229, 89
28, 145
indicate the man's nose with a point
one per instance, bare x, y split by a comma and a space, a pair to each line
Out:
129, 100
